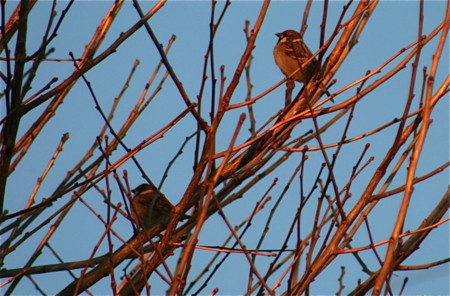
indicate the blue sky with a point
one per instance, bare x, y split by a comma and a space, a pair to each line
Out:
392, 27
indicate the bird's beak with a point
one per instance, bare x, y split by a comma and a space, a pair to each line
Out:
279, 35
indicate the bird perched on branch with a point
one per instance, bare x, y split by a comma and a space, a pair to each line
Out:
150, 206
291, 53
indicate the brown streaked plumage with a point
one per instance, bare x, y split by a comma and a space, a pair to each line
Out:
291, 53
150, 206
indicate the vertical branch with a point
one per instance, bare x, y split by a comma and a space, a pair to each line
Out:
249, 85
389, 262
212, 31
11, 125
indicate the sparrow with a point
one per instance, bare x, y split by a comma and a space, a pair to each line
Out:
291, 53
150, 206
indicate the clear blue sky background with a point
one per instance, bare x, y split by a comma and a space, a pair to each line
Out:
392, 27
